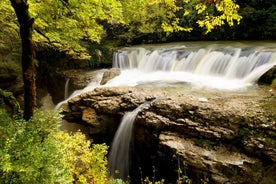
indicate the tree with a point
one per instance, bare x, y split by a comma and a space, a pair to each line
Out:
70, 24
66, 24
165, 17
27, 61
217, 13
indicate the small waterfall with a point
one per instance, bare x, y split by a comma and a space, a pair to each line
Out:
66, 89
119, 156
218, 66
95, 82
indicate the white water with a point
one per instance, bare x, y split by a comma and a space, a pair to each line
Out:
95, 82
119, 156
223, 66
217, 66
66, 89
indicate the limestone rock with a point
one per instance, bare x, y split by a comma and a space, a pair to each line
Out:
268, 77
79, 79
223, 165
220, 140
110, 74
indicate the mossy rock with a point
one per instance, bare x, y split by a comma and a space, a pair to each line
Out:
9, 72
273, 84
9, 102
268, 77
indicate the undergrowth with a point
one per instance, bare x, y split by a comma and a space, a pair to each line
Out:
38, 152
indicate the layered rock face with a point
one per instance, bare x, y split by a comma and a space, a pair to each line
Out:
222, 139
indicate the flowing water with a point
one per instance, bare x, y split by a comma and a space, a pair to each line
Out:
226, 66
230, 66
66, 89
196, 67
119, 156
179, 67
95, 82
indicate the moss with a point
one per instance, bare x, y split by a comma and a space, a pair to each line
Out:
10, 71
11, 66
8, 101
269, 106
270, 141
204, 143
273, 84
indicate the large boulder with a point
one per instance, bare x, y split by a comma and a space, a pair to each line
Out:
110, 74
268, 77
222, 139
79, 79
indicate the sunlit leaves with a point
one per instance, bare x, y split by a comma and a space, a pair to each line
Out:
157, 16
224, 11
186, 12
67, 23
87, 164
9, 32
38, 152
200, 8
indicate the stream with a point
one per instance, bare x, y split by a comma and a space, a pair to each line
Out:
217, 70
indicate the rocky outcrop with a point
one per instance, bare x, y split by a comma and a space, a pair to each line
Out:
110, 74
9, 103
11, 80
222, 139
79, 79
268, 77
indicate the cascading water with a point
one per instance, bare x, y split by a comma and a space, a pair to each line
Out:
222, 66
216, 66
95, 82
119, 156
226, 66
66, 89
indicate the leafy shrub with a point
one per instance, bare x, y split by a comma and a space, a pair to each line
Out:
38, 152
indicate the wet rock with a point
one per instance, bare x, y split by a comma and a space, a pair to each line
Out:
89, 116
79, 79
221, 140
110, 74
223, 165
268, 77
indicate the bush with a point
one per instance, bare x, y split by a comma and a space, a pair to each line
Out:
38, 152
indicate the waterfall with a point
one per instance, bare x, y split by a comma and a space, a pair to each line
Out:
216, 65
66, 89
95, 82
119, 156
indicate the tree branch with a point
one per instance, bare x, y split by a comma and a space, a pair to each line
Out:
42, 34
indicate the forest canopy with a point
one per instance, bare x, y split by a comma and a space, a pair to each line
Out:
69, 24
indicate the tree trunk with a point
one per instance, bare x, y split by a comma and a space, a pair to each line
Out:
26, 27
